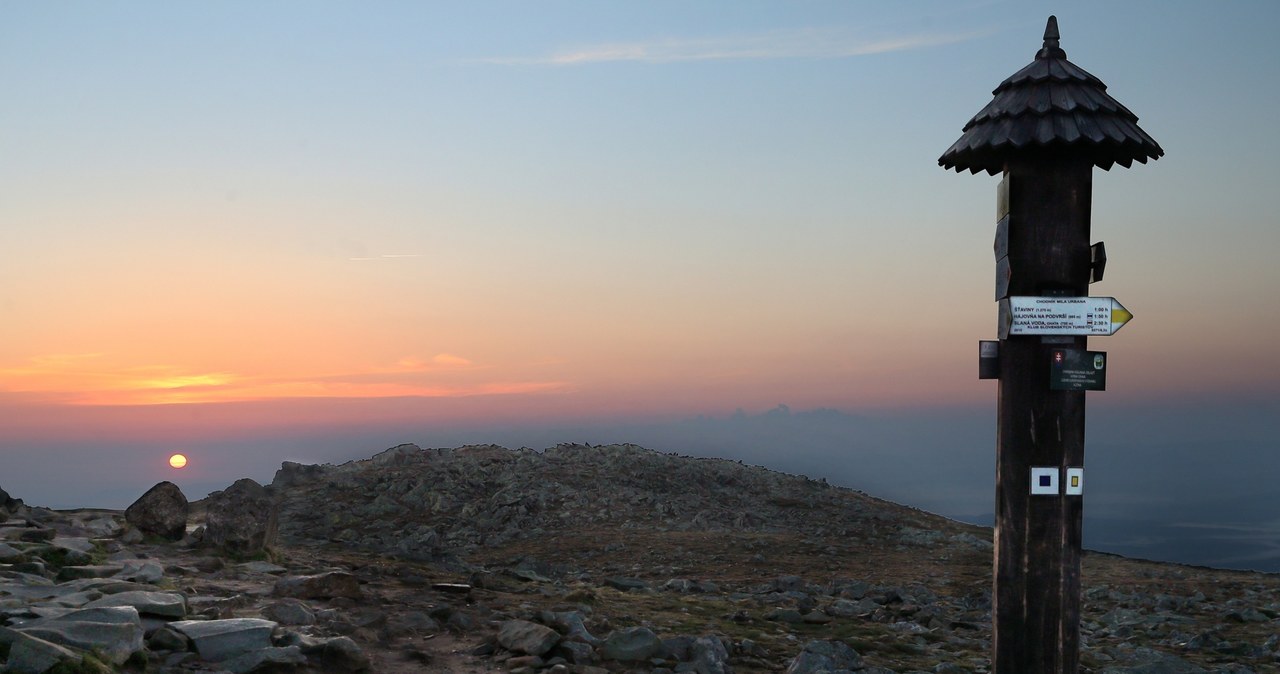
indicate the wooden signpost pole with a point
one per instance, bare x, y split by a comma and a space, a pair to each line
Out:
1047, 127
1036, 596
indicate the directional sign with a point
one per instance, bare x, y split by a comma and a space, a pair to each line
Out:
1022, 315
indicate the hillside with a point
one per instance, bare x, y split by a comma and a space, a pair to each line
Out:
608, 559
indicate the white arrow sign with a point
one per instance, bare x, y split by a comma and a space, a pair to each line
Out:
1061, 316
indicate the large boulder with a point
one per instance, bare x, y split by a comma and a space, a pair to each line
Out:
32, 655
522, 636
114, 633
162, 511
218, 640
631, 644
241, 519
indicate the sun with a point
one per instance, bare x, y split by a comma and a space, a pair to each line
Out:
178, 460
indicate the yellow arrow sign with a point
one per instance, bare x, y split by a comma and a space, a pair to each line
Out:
1035, 315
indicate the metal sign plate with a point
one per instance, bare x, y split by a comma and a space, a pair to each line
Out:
1034, 315
1078, 370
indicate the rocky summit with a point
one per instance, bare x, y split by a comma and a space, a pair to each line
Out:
572, 559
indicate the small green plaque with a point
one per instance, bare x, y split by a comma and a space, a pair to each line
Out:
1077, 370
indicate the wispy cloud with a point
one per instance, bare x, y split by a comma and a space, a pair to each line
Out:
82, 379
809, 43
389, 256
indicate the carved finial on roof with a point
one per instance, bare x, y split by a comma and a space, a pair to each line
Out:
1051, 37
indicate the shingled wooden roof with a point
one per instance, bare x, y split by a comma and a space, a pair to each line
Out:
1054, 106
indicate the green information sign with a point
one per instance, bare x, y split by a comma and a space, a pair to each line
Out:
1078, 370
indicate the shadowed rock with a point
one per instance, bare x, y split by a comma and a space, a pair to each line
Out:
218, 640
241, 519
114, 632
522, 636
320, 586
631, 644
162, 511
33, 655
8, 504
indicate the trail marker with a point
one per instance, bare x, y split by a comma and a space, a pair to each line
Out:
1023, 315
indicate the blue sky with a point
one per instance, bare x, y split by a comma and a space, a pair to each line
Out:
470, 221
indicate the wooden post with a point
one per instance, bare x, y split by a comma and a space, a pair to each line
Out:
1049, 124
1036, 594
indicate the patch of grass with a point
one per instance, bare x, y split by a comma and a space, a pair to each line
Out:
89, 664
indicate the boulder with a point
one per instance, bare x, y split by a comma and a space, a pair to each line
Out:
217, 640
161, 604
162, 511
320, 586
8, 504
262, 658
141, 571
522, 636
710, 656
241, 519
113, 632
290, 612
818, 656
335, 653
632, 644
10, 554
292, 474
33, 655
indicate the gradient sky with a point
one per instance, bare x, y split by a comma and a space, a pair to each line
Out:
235, 217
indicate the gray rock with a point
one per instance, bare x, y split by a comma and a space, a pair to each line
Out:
817, 656
626, 584
33, 655
8, 504
1149, 661
163, 604
102, 527
217, 640
339, 654
141, 571
572, 624
343, 654
710, 656
845, 608
320, 586
575, 652
290, 612
165, 639
241, 519
10, 554
522, 636
115, 632
263, 658
262, 567
679, 647
89, 571
632, 644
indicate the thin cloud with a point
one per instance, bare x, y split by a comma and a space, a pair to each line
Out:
810, 43
388, 256
77, 379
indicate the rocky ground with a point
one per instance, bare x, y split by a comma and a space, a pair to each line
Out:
575, 559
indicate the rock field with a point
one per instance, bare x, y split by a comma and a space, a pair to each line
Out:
573, 559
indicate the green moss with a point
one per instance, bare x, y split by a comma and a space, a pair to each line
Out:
89, 664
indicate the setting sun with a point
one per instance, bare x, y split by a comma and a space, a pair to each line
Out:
178, 460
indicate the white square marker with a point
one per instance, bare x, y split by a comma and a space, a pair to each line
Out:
1075, 482
1044, 481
